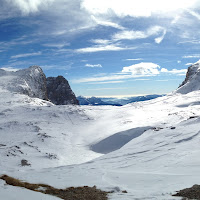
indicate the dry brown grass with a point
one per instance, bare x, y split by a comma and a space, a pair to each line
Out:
72, 193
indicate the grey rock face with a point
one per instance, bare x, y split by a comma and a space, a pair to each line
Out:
33, 82
35, 78
30, 81
192, 70
192, 80
59, 91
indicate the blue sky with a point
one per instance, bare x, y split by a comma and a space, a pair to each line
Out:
103, 48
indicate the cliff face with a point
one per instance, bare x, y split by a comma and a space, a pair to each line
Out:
192, 80
33, 82
59, 91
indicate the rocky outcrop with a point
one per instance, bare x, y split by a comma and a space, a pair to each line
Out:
33, 82
59, 91
192, 80
30, 81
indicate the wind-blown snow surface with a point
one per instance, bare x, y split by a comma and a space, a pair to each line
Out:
57, 141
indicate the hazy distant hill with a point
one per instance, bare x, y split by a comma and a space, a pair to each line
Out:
96, 101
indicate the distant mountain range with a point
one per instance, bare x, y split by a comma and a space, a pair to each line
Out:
97, 101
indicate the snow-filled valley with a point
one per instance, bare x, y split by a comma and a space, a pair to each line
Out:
150, 149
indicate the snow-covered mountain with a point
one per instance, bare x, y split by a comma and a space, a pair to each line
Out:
96, 101
192, 80
33, 82
30, 81
150, 149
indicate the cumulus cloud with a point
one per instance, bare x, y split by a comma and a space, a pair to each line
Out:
135, 8
135, 72
142, 69
92, 66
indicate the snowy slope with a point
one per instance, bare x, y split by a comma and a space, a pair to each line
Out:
152, 146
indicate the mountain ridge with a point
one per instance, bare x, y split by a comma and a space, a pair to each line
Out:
192, 80
33, 82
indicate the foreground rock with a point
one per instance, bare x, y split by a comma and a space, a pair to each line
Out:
190, 193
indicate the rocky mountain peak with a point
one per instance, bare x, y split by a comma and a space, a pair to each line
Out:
33, 82
192, 80
59, 91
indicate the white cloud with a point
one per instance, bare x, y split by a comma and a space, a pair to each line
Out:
176, 19
164, 70
179, 61
106, 82
92, 66
10, 69
190, 41
142, 79
135, 72
129, 35
192, 56
135, 8
174, 71
30, 6
158, 40
98, 48
142, 69
104, 78
111, 45
120, 88
133, 35
195, 14
56, 45
101, 41
107, 23
136, 59
189, 64
162, 80
26, 55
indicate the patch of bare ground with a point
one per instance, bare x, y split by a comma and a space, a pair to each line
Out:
189, 193
72, 193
